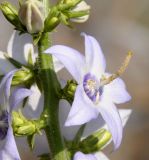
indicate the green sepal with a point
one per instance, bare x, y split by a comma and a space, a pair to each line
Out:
45, 156
1, 77
36, 38
77, 14
13, 61
95, 142
69, 5
31, 141
78, 136
65, 20
30, 60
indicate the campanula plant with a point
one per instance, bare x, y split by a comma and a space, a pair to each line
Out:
29, 75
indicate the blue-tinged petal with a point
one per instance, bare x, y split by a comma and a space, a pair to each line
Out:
70, 58
57, 64
5, 65
17, 96
34, 104
9, 150
112, 118
5, 86
101, 156
68, 132
95, 60
82, 110
16, 45
81, 156
116, 91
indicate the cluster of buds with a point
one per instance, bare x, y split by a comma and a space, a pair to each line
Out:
32, 18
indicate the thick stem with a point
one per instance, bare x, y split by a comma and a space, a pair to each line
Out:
51, 87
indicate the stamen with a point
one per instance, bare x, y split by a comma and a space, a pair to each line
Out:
119, 72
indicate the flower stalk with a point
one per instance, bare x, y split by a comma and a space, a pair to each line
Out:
50, 86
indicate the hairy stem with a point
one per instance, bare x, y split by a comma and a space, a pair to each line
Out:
51, 87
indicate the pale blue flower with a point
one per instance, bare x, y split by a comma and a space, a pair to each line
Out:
91, 98
8, 149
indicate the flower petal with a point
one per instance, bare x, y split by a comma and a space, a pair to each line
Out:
29, 49
34, 104
70, 58
94, 56
101, 156
5, 86
9, 150
68, 132
17, 96
82, 110
81, 156
111, 116
116, 91
16, 44
57, 64
5, 65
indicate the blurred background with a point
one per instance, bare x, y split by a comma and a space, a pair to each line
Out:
119, 26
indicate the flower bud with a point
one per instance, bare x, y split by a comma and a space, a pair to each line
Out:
69, 90
22, 76
95, 142
51, 24
31, 14
11, 14
80, 13
21, 125
24, 127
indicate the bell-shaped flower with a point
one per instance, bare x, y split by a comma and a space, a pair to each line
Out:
8, 149
92, 98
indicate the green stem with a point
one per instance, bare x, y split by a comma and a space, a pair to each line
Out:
51, 87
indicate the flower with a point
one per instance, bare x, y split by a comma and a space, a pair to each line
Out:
8, 102
91, 98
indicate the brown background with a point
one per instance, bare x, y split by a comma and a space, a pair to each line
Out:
119, 26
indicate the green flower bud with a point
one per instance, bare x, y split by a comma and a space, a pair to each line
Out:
69, 90
80, 13
11, 14
95, 142
51, 24
23, 76
31, 14
24, 127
